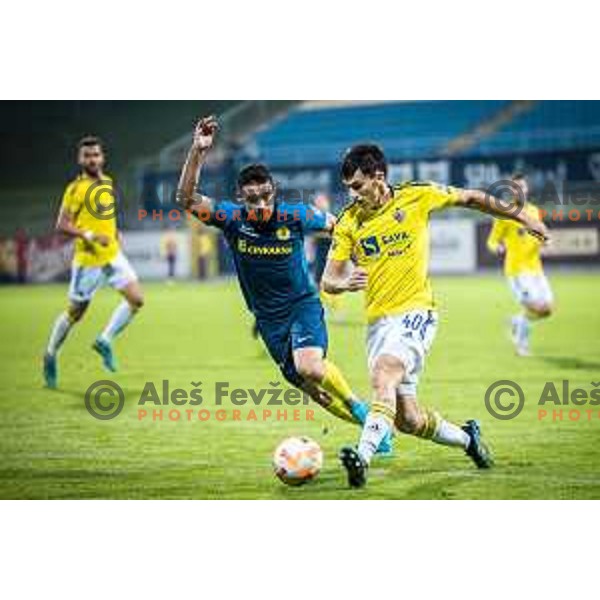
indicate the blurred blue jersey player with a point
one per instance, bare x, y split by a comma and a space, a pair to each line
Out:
266, 238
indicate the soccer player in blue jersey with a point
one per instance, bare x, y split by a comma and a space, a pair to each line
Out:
266, 237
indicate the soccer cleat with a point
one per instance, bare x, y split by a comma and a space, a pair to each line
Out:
477, 450
50, 370
355, 466
104, 349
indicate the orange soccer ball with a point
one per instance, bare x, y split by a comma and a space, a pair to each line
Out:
297, 460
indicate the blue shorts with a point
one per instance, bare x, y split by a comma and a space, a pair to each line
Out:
305, 328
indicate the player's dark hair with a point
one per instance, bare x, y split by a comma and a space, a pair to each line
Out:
255, 173
369, 158
88, 141
518, 176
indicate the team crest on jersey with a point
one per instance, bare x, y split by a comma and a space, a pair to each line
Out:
283, 234
399, 215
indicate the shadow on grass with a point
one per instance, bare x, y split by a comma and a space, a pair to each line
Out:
131, 396
571, 362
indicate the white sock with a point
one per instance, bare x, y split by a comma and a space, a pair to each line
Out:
121, 317
60, 329
450, 434
374, 429
523, 327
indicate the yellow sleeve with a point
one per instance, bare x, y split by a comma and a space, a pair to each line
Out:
440, 196
342, 244
71, 200
497, 235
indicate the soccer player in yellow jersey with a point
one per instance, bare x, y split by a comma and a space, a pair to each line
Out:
523, 268
88, 214
384, 232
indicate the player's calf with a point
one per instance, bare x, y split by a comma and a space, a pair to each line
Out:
430, 425
386, 373
119, 320
60, 330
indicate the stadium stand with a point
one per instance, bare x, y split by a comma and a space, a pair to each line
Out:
152, 137
551, 125
406, 129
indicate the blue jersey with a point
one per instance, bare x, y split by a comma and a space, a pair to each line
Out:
269, 257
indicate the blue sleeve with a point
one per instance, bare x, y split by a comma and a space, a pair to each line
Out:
312, 218
224, 213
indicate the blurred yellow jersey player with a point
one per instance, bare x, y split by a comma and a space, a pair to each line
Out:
522, 252
381, 245
88, 215
523, 268
92, 204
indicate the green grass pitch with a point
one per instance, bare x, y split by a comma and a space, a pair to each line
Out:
50, 446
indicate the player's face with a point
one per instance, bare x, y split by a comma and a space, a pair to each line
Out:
368, 190
522, 183
91, 159
259, 197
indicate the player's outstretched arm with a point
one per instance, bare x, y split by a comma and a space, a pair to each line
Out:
341, 276
484, 202
187, 196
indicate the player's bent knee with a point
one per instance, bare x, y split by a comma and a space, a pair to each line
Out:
137, 302
135, 299
540, 310
311, 369
76, 311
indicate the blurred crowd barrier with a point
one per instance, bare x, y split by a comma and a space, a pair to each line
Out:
458, 246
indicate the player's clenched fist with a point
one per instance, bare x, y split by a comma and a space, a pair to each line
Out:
357, 280
204, 134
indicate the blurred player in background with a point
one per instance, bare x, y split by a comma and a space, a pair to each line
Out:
21, 252
266, 237
88, 214
386, 231
169, 250
523, 267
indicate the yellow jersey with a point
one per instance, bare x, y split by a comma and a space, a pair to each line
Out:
92, 204
392, 244
522, 250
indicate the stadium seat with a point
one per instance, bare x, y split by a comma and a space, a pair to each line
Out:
405, 129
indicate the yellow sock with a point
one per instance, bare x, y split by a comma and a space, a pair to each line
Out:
431, 421
340, 409
335, 384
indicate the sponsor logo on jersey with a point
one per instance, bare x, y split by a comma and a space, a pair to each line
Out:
266, 250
